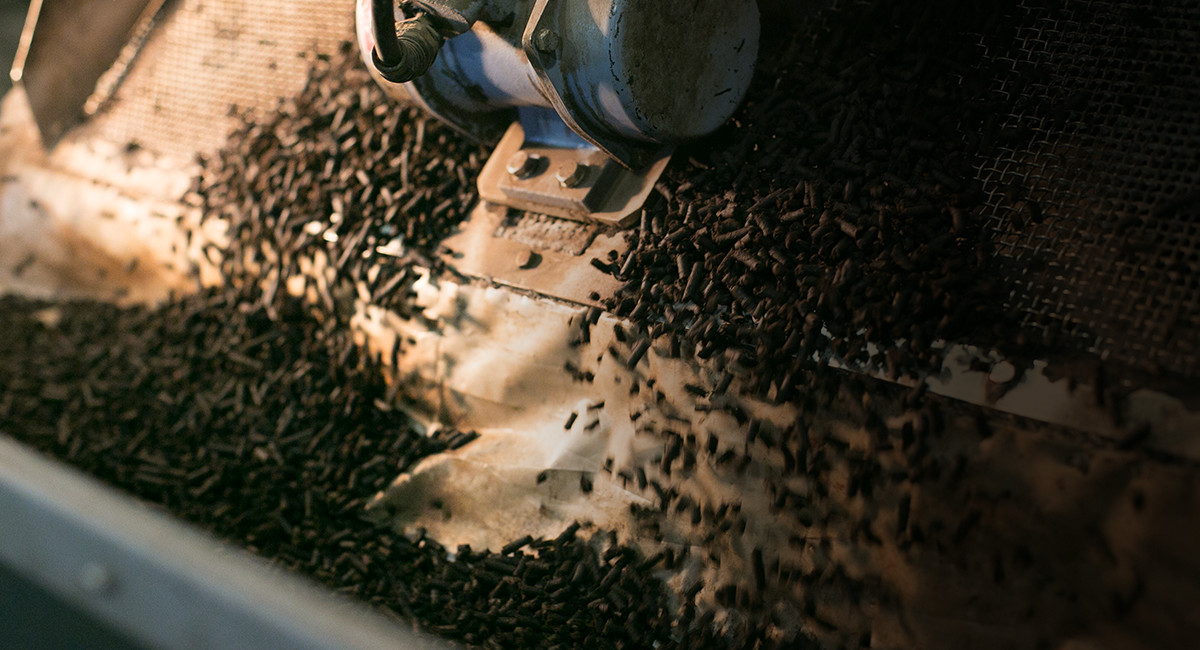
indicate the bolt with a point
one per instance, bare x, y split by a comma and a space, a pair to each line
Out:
96, 579
524, 164
572, 174
528, 260
547, 40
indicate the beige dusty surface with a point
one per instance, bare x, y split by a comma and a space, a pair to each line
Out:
1020, 534
88, 220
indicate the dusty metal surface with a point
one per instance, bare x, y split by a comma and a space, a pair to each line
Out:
542, 232
65, 49
160, 583
90, 221
552, 412
510, 250
551, 409
579, 183
1135, 413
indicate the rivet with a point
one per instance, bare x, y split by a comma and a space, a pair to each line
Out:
528, 260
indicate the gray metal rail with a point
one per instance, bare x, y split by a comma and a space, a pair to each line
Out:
156, 581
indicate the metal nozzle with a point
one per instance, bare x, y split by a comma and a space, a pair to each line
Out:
405, 50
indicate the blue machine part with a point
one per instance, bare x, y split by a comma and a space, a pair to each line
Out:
628, 76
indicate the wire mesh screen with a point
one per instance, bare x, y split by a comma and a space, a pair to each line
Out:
212, 59
1094, 205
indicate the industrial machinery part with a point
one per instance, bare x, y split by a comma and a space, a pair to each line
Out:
78, 55
111, 567
590, 95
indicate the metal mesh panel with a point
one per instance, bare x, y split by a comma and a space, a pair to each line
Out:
1093, 206
211, 59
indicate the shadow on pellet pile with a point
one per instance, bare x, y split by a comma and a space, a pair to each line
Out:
838, 209
1037, 538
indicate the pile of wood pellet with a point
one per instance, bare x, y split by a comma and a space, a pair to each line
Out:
835, 210
249, 410
339, 173
833, 214
272, 433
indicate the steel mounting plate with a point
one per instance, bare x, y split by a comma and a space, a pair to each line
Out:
608, 193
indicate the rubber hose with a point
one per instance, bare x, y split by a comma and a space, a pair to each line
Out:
404, 50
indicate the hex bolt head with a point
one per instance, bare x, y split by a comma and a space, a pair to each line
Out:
523, 164
572, 174
546, 40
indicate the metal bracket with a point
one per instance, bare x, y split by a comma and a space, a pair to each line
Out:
538, 167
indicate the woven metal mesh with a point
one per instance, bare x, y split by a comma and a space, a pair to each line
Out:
211, 59
1094, 209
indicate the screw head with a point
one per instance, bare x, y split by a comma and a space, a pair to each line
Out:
572, 174
546, 40
523, 164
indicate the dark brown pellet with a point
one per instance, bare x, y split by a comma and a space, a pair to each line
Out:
639, 350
